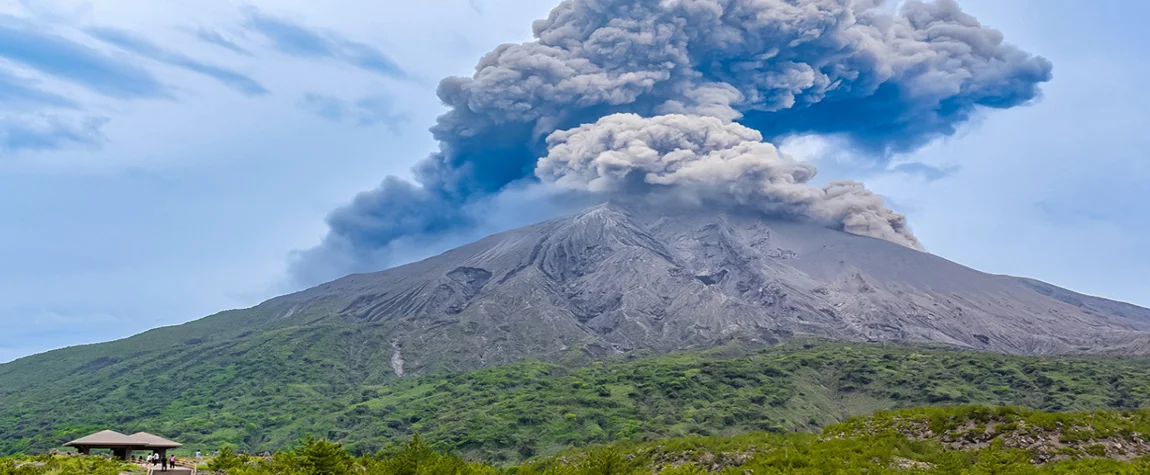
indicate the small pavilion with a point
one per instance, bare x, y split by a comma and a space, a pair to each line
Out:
122, 445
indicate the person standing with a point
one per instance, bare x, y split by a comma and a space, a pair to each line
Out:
163, 464
172, 461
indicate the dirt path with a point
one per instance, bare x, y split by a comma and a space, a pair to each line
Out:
171, 471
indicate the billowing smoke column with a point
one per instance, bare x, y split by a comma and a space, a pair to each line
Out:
881, 83
713, 162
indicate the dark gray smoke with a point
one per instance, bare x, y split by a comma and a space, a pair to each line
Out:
882, 83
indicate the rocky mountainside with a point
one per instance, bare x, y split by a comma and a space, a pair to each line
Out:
613, 279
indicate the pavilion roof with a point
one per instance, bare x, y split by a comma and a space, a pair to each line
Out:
155, 441
110, 438
105, 437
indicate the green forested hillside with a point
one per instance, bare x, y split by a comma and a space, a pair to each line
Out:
533, 408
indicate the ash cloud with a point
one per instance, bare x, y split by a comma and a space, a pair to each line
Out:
883, 83
716, 164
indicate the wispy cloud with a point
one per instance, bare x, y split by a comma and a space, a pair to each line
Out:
68, 60
47, 132
20, 93
143, 47
25, 124
364, 112
927, 172
216, 38
301, 41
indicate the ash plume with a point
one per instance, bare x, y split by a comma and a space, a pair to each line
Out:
715, 163
883, 83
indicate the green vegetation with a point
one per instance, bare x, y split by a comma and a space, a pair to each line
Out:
941, 440
62, 465
530, 409
876, 452
976, 440
320, 457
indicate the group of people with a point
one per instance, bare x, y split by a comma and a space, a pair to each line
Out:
163, 462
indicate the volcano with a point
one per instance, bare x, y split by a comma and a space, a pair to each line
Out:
615, 278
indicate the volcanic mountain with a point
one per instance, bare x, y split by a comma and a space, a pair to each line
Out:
615, 278
609, 280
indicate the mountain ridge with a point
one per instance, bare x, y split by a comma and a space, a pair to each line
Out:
614, 278
733, 255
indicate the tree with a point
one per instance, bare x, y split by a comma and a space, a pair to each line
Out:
227, 460
321, 457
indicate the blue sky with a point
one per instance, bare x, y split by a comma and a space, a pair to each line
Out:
160, 160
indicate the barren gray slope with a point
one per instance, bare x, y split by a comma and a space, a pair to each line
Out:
613, 279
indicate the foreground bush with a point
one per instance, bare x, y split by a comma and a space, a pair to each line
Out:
321, 457
962, 440
937, 440
811, 456
62, 465
945, 441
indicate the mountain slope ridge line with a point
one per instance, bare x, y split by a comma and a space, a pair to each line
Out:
615, 278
